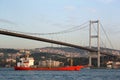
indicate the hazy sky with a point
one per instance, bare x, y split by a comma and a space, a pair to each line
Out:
44, 16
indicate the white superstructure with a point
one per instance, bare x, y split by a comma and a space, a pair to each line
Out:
26, 62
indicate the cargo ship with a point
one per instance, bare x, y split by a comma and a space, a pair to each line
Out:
27, 63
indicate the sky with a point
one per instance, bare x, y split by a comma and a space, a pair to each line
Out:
46, 16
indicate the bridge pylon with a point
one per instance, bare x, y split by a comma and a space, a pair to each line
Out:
94, 25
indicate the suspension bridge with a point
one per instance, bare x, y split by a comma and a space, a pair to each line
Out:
90, 49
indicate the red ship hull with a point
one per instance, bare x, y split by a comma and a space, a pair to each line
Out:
67, 68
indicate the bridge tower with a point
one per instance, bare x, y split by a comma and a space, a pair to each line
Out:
94, 25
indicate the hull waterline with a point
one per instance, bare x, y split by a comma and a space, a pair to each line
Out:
67, 68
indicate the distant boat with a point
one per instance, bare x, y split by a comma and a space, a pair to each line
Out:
113, 64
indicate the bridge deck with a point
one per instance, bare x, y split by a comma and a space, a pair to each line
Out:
48, 40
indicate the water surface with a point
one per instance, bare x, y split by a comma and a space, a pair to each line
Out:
84, 74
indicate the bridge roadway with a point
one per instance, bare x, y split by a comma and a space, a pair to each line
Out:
15, 34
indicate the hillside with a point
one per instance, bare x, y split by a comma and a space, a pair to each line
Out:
62, 54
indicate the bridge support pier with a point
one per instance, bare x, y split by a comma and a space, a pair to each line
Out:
90, 60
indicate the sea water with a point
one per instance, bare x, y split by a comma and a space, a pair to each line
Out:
84, 74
